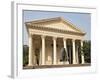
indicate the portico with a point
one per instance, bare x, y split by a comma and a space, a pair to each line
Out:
48, 37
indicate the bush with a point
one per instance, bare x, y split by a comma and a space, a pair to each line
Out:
87, 51
25, 54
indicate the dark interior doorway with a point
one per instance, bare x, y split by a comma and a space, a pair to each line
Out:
37, 54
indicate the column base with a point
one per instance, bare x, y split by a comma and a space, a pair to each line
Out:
30, 64
67, 62
75, 63
43, 64
54, 64
83, 63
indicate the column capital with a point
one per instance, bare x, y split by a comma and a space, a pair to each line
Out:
30, 35
64, 38
73, 40
43, 36
81, 40
54, 38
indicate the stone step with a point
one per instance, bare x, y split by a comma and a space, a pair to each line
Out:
56, 66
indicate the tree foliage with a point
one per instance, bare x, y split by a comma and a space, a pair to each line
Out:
25, 54
87, 51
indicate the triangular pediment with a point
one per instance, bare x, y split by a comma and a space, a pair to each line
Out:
57, 23
61, 26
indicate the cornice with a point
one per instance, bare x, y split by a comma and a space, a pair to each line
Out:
40, 27
54, 20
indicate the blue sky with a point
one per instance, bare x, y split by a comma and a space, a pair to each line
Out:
81, 20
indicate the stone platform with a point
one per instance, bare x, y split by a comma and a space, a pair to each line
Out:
56, 66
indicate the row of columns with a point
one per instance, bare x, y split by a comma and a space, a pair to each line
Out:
54, 50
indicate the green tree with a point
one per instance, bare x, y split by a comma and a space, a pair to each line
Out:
86, 51
25, 54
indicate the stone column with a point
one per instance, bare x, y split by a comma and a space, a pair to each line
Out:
82, 55
30, 51
43, 50
64, 41
77, 52
54, 51
74, 55
33, 53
